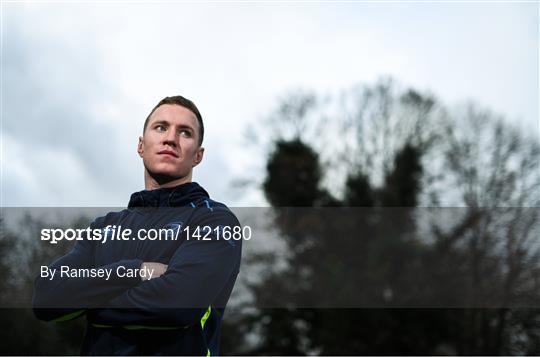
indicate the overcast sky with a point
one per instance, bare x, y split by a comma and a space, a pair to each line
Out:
79, 79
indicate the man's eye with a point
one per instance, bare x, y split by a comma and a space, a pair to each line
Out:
160, 128
185, 133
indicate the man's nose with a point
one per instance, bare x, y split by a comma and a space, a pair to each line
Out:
170, 138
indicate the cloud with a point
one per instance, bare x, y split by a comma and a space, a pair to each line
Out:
59, 149
79, 79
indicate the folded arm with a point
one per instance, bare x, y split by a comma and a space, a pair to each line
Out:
197, 273
61, 298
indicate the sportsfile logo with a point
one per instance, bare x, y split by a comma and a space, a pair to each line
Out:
171, 231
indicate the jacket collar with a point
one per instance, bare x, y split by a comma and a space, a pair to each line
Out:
182, 195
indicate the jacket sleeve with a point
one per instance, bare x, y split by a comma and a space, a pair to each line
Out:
65, 298
198, 271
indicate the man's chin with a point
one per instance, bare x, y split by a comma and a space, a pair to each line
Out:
165, 177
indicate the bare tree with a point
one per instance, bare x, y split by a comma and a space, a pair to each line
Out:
492, 173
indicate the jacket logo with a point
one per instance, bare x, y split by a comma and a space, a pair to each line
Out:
172, 229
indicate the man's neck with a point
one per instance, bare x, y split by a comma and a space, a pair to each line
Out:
151, 183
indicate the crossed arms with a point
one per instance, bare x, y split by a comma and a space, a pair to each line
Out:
195, 276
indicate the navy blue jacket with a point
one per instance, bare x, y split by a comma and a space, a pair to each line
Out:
178, 313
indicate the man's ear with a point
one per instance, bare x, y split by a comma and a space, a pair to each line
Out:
140, 146
198, 156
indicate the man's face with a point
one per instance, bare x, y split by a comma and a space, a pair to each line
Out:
169, 145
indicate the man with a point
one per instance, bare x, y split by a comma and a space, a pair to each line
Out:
174, 301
